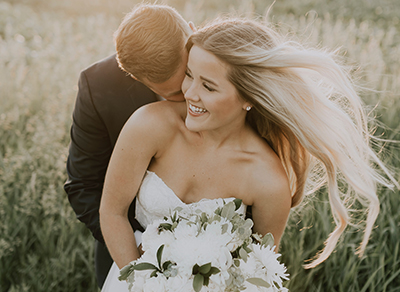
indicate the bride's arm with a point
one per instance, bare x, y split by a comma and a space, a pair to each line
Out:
272, 201
138, 142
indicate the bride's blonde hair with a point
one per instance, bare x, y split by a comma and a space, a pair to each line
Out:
305, 106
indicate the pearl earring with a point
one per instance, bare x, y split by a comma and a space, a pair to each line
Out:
248, 108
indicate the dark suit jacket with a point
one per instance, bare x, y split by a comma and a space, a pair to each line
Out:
106, 99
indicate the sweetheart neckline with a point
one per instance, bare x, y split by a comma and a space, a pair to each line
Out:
179, 199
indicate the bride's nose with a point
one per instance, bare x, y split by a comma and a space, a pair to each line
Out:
190, 90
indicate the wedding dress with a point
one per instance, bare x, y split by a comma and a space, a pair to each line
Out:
154, 201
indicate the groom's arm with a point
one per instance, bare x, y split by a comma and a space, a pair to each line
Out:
89, 152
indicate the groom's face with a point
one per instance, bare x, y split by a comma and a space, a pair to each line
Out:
171, 89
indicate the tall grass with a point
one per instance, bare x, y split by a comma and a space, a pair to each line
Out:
43, 47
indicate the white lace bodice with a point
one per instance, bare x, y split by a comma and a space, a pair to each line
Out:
156, 200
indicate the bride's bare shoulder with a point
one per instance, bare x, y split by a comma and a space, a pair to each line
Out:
159, 116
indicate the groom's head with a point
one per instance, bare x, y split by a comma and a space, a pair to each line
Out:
150, 45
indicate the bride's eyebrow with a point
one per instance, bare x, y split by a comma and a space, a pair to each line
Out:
208, 80
201, 77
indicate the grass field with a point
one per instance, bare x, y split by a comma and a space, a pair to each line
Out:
43, 47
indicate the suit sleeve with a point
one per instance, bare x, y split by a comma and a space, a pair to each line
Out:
89, 153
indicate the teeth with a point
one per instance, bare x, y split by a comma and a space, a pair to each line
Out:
196, 109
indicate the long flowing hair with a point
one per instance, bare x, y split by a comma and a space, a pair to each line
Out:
306, 107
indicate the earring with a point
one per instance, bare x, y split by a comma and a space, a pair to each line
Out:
248, 108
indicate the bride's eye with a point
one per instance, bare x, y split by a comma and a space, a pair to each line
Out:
187, 73
208, 88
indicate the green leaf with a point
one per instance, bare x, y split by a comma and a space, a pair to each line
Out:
243, 254
213, 271
195, 269
144, 266
204, 217
228, 210
125, 272
248, 249
238, 203
198, 282
204, 269
178, 209
159, 255
166, 226
258, 282
224, 228
236, 262
166, 265
154, 274
268, 240
248, 224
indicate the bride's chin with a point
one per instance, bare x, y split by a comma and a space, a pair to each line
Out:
191, 126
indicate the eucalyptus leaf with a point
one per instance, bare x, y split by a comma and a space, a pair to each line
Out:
198, 282
159, 255
228, 210
178, 209
144, 266
214, 271
195, 269
153, 274
166, 265
236, 262
268, 240
238, 203
204, 269
246, 248
224, 228
258, 282
125, 272
248, 224
166, 226
243, 254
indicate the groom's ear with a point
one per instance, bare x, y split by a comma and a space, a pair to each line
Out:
192, 26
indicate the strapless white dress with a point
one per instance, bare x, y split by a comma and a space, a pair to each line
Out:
154, 201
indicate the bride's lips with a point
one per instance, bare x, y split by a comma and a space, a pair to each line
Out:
196, 111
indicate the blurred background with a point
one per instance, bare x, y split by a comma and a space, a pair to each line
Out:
44, 44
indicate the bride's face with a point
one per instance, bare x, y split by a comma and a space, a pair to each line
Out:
212, 100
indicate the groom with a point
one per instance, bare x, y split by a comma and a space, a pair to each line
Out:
150, 48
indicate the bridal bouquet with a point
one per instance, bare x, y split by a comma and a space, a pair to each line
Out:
205, 250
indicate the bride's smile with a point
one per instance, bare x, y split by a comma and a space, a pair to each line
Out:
195, 110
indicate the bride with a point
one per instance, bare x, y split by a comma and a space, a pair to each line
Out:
258, 124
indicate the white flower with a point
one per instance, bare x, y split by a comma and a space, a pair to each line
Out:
152, 239
263, 263
155, 284
179, 284
274, 270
